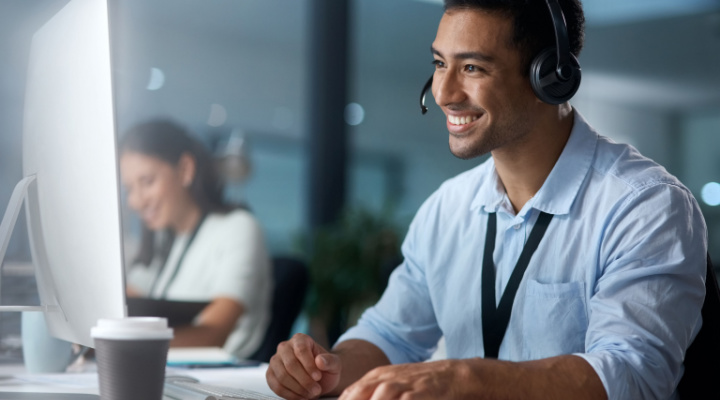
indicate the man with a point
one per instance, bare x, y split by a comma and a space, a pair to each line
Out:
609, 301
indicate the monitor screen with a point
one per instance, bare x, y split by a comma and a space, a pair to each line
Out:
69, 146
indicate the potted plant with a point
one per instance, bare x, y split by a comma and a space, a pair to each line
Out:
349, 263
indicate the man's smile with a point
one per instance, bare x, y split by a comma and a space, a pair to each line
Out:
458, 124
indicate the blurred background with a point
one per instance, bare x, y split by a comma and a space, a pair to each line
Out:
314, 109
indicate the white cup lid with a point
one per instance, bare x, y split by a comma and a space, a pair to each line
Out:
132, 328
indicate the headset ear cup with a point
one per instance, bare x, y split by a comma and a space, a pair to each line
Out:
552, 90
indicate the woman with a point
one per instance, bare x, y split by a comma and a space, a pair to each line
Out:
194, 246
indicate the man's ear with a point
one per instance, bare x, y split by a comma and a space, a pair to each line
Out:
187, 168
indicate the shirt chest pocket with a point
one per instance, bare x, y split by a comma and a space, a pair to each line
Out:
555, 319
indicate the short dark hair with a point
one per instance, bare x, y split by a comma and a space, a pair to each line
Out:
532, 24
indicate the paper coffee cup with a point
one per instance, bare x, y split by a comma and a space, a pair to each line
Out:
131, 354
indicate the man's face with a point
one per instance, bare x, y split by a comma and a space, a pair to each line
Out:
479, 84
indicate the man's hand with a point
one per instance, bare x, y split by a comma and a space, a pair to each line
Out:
302, 369
562, 377
433, 380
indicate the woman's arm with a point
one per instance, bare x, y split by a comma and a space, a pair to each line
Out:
214, 325
132, 292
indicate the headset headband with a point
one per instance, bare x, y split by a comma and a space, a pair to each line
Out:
566, 67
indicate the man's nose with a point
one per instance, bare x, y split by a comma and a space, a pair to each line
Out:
447, 88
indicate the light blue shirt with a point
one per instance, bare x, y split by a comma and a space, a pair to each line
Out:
618, 278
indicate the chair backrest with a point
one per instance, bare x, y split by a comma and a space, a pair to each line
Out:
702, 359
291, 282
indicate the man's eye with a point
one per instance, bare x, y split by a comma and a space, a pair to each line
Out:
438, 64
473, 68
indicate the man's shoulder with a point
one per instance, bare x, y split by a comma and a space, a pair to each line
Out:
624, 165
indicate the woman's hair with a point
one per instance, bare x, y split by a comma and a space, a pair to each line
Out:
168, 142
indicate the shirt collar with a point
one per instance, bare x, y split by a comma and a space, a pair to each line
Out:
561, 187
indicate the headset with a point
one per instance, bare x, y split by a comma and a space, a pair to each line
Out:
555, 73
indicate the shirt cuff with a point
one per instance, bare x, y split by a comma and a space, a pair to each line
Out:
364, 333
596, 364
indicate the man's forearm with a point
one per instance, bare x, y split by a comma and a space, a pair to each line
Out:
358, 357
562, 377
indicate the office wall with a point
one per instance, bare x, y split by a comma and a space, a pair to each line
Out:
701, 164
649, 130
701, 133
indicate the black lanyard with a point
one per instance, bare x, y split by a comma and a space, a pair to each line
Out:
495, 320
177, 265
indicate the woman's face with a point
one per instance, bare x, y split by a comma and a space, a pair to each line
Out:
156, 190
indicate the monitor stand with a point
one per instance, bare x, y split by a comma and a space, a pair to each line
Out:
17, 199
6, 228
12, 211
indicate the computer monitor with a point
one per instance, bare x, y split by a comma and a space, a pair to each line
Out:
70, 184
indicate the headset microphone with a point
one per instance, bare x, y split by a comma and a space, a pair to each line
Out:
555, 73
427, 87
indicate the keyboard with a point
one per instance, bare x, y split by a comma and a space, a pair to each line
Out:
187, 388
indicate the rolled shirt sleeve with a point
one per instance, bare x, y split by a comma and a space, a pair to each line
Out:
402, 324
645, 310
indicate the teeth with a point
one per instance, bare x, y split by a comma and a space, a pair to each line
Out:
461, 120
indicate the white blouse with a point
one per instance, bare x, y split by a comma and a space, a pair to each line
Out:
227, 258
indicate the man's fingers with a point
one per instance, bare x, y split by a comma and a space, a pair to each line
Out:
286, 380
305, 349
329, 363
279, 388
295, 369
387, 390
306, 385
292, 375
374, 389
362, 389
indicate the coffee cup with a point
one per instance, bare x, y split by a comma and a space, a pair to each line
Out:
43, 353
131, 354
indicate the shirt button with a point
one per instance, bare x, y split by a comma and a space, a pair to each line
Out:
517, 226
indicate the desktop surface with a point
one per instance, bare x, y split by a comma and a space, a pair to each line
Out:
17, 384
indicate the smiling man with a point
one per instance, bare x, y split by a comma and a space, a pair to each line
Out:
565, 267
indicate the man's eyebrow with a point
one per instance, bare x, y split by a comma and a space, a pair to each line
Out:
474, 55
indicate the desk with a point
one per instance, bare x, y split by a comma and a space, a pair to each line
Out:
13, 378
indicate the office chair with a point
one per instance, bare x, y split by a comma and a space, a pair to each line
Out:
702, 359
291, 282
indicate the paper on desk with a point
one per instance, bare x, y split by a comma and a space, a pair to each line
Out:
252, 378
178, 355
